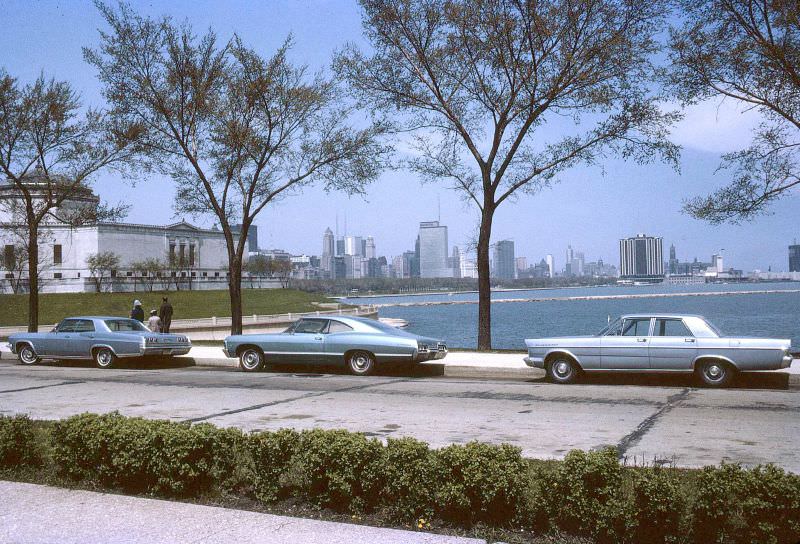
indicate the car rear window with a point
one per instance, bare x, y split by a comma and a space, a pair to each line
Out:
125, 325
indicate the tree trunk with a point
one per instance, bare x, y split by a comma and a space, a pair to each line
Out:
235, 291
484, 283
33, 277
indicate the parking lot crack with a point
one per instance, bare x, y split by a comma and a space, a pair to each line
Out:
633, 438
293, 399
41, 386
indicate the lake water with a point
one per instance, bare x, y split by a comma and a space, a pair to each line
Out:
775, 314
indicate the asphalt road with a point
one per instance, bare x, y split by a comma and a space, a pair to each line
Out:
664, 419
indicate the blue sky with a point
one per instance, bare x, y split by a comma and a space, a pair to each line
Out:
591, 208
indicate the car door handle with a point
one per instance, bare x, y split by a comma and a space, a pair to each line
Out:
641, 339
688, 339
317, 338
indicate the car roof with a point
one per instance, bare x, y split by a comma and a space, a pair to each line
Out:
664, 315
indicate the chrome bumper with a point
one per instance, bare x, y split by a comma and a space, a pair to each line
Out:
786, 362
534, 362
225, 351
428, 355
165, 350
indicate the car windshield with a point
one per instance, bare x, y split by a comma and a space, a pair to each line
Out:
611, 325
125, 325
714, 328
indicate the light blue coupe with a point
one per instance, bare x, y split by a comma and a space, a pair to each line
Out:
103, 339
357, 342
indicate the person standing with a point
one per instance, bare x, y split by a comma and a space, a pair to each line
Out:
154, 322
165, 313
137, 313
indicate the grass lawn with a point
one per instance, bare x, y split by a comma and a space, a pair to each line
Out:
53, 307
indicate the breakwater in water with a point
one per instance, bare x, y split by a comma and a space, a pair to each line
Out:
587, 297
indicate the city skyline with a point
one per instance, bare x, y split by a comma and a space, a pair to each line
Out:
592, 207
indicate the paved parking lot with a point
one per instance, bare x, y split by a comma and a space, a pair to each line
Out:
648, 418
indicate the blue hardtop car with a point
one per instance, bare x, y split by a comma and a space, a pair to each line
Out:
357, 342
103, 339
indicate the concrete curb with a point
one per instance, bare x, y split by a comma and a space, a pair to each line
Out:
419, 370
438, 369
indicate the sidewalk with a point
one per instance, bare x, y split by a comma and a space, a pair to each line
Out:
38, 514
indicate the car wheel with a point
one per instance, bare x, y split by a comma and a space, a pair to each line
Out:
562, 370
251, 360
715, 373
104, 358
361, 363
27, 356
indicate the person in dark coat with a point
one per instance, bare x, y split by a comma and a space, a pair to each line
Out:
137, 313
165, 313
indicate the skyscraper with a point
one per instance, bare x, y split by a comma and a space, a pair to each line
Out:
433, 250
673, 260
550, 265
353, 245
327, 250
369, 252
794, 258
641, 258
504, 260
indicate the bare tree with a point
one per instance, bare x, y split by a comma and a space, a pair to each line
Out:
148, 271
478, 81
49, 150
280, 269
747, 51
102, 267
235, 131
258, 266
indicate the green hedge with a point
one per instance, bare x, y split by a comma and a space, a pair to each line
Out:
587, 494
18, 445
140, 455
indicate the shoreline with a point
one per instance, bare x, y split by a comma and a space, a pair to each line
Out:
589, 297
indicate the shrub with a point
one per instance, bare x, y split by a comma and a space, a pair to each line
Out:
584, 494
18, 442
658, 506
737, 505
139, 455
341, 470
410, 479
479, 482
272, 453
771, 506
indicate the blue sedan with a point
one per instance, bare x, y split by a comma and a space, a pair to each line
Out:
102, 339
359, 343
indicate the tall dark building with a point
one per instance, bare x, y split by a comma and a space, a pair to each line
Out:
794, 258
504, 260
673, 260
252, 236
641, 258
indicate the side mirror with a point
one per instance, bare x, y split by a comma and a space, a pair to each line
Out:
54, 329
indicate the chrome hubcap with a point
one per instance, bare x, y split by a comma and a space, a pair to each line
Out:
714, 372
28, 356
104, 358
250, 359
360, 362
562, 369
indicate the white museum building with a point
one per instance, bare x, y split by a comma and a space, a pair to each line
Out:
198, 256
